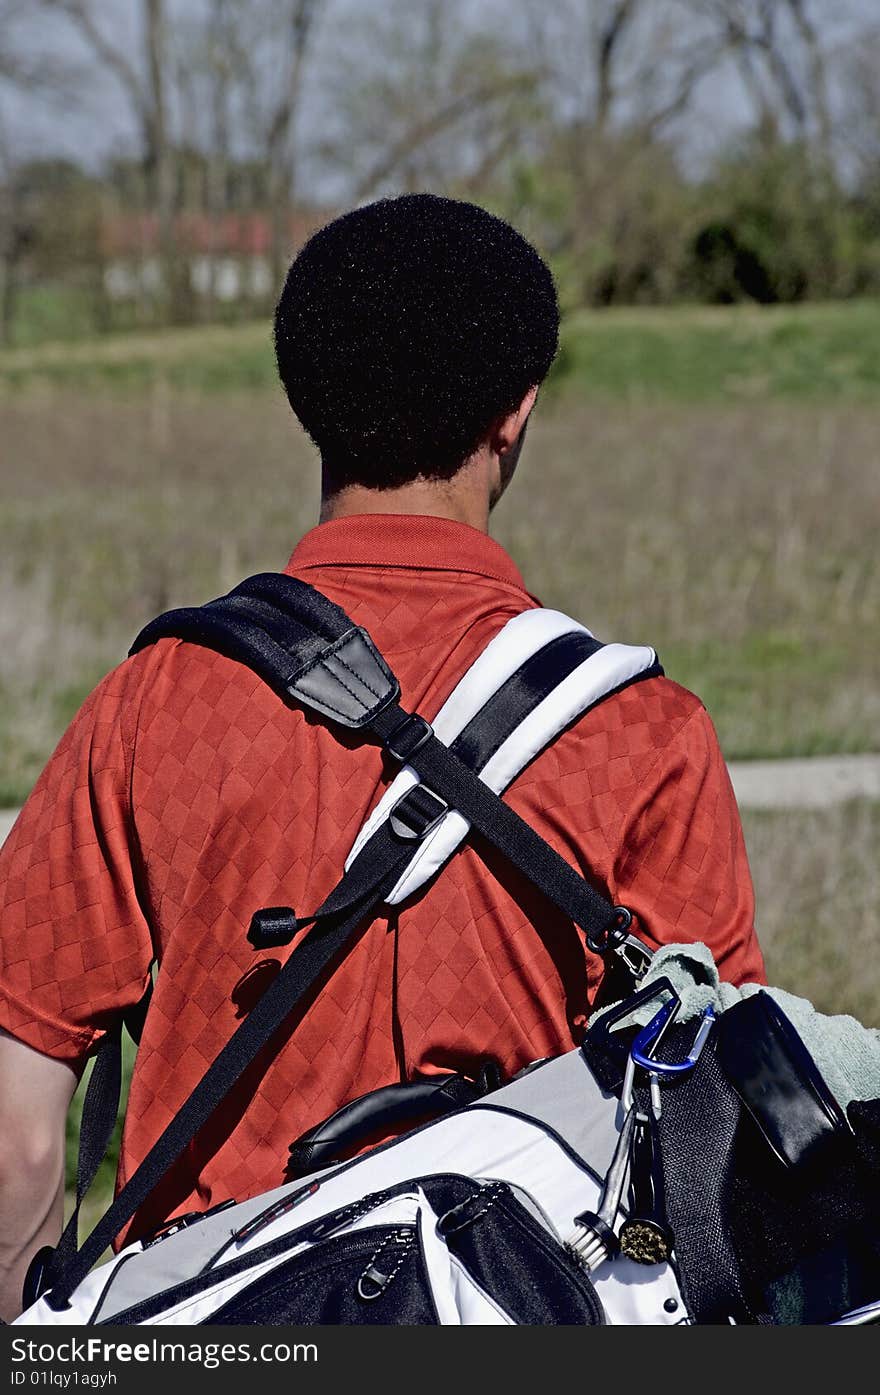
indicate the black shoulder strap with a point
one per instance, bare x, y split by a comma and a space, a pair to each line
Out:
299, 642
310, 652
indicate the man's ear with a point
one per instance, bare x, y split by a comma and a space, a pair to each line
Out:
506, 430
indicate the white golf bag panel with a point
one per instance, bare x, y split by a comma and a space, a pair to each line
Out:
549, 1135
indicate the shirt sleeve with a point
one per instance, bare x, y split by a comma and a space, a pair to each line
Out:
75, 946
683, 869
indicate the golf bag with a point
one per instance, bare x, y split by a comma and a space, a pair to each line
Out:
563, 1197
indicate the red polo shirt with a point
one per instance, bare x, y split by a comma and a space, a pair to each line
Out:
185, 795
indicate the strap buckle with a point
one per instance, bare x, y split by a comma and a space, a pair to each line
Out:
407, 738
416, 814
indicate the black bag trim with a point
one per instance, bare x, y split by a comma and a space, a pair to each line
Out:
534, 680
208, 1277
455, 1189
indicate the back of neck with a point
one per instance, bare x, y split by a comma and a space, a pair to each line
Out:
463, 499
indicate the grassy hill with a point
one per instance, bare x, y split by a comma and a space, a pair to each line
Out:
809, 353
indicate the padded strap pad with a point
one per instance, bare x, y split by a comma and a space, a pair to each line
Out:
349, 681
298, 641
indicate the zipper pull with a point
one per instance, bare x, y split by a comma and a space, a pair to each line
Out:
375, 1280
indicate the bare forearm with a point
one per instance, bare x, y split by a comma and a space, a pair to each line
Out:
31, 1215
35, 1093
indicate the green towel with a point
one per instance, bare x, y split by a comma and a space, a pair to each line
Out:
846, 1053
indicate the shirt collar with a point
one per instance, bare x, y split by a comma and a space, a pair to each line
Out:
414, 541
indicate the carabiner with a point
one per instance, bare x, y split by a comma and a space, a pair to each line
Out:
649, 1037
647, 1040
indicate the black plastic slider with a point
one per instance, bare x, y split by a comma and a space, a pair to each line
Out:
416, 813
272, 926
409, 737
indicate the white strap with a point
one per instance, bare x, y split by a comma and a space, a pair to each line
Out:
519, 640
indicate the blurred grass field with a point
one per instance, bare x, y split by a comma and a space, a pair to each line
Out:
702, 480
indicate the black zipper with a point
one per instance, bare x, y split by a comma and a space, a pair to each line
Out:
371, 1242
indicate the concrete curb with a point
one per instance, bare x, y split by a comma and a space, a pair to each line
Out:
815, 782
7, 819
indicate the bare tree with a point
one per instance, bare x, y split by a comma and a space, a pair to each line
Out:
618, 74
778, 50
25, 68
222, 60
613, 64
10, 239
425, 96
296, 24
858, 124
252, 58
611, 26
816, 75
208, 63
14, 70
160, 160
145, 86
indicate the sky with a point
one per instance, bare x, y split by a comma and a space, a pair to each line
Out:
92, 120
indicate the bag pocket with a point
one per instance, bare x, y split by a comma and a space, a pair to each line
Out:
440, 1249
511, 1255
489, 1259
372, 1276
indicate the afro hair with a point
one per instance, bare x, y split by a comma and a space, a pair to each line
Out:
404, 330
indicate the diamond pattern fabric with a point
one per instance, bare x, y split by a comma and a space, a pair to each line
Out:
185, 795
